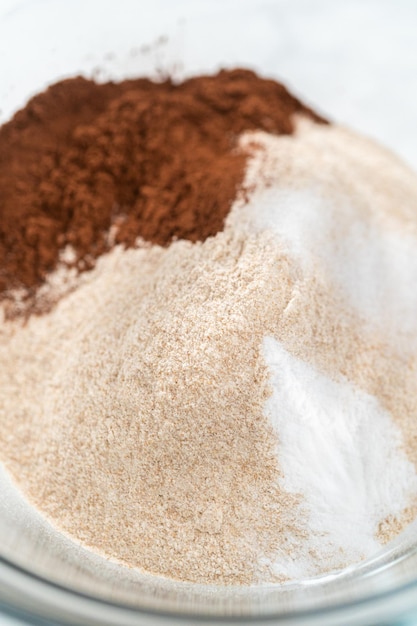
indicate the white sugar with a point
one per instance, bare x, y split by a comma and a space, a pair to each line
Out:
341, 450
346, 210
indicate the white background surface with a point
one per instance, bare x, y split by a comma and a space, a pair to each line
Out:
356, 60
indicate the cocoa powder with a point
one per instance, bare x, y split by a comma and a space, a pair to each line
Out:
152, 160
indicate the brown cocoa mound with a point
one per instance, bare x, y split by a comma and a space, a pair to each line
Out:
154, 160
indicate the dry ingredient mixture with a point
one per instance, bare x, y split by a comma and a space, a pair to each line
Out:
229, 393
91, 165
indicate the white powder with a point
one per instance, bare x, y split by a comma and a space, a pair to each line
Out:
341, 450
346, 208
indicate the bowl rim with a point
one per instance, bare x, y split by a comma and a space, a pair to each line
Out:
295, 616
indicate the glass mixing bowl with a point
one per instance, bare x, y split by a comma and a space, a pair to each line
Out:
361, 76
